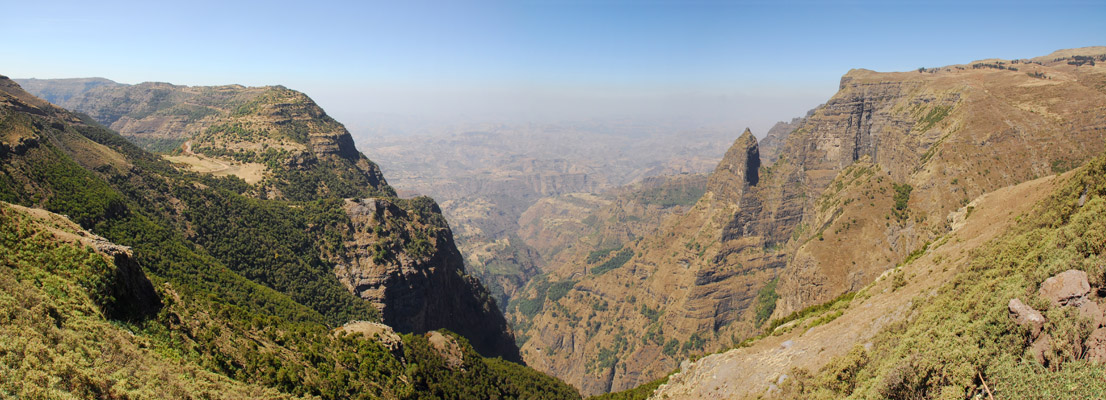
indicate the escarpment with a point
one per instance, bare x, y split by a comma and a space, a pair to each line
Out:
396, 255
406, 264
277, 138
858, 186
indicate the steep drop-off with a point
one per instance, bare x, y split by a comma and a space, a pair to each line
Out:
302, 249
860, 184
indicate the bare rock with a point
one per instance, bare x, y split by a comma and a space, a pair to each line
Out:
1026, 315
1066, 288
447, 348
375, 330
418, 291
1093, 312
1041, 347
1096, 346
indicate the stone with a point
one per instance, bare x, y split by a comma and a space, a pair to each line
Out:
375, 330
417, 293
1041, 347
1096, 346
1066, 288
1091, 311
1026, 315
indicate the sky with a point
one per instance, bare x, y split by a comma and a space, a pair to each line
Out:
371, 64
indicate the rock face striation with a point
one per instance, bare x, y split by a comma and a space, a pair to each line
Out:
279, 130
858, 185
406, 264
399, 254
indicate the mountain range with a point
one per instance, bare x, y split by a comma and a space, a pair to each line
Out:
935, 233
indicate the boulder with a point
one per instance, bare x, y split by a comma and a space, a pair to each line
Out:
1041, 347
1026, 315
1066, 288
1096, 346
1090, 310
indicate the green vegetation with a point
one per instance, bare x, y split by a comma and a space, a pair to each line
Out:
559, 289
157, 145
617, 261
964, 332
248, 302
641, 392
671, 347
650, 313
598, 255
671, 195
476, 378
839, 303
902, 198
694, 342
933, 117
543, 290
277, 244
55, 341
766, 301
1060, 165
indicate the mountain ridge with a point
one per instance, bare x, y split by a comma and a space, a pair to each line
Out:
216, 253
880, 165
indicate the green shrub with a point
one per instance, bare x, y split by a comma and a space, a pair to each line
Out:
617, 261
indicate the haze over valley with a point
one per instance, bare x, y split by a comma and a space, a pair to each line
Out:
553, 200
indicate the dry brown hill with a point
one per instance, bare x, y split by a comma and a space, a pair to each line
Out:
867, 179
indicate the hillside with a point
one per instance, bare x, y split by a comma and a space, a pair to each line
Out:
248, 288
276, 139
944, 323
861, 183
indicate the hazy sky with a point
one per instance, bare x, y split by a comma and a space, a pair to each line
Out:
743, 63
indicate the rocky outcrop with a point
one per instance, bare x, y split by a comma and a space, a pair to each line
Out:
1066, 288
405, 263
270, 125
327, 146
129, 295
1025, 315
377, 331
863, 181
1096, 346
447, 348
133, 296
776, 137
738, 170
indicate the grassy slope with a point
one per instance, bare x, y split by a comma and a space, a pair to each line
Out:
56, 343
215, 321
963, 333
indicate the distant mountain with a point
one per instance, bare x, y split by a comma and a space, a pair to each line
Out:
60, 91
245, 281
488, 176
861, 184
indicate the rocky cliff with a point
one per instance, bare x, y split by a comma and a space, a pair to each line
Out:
399, 255
861, 183
405, 263
774, 140
272, 136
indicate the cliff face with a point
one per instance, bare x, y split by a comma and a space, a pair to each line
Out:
80, 309
776, 137
273, 136
399, 255
858, 185
406, 264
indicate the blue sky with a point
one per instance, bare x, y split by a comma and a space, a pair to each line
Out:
745, 63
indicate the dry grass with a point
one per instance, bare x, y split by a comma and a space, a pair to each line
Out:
252, 173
